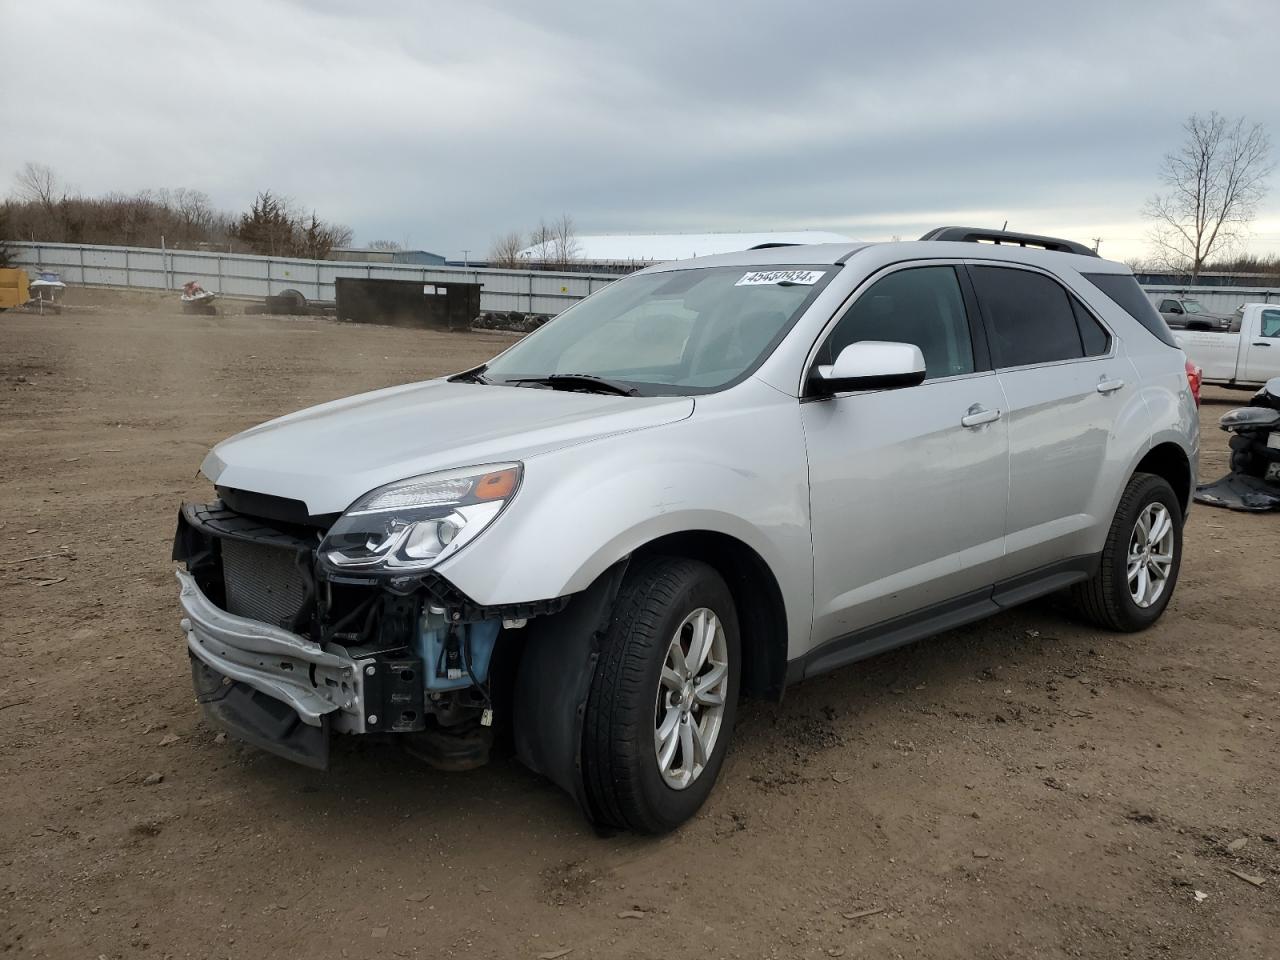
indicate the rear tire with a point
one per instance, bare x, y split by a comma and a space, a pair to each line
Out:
1135, 581
647, 702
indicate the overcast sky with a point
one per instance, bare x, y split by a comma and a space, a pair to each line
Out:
444, 125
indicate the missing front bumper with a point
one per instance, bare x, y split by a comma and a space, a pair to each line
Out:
320, 684
284, 693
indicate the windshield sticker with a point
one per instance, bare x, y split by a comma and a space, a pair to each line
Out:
804, 277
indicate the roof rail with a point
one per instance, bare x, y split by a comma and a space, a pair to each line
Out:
774, 243
979, 235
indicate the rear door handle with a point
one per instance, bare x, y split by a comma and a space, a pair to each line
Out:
978, 415
1261, 344
1109, 386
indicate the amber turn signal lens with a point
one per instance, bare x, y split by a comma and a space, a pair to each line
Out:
496, 486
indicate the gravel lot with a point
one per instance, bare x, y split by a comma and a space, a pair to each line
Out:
1026, 787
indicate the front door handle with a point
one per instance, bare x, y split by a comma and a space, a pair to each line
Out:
978, 415
1109, 386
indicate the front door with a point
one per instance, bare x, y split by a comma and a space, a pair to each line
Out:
1260, 360
907, 487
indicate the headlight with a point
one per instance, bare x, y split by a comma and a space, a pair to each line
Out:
413, 524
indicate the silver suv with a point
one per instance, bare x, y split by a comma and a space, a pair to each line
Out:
713, 478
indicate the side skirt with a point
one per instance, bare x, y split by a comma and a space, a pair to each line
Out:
940, 617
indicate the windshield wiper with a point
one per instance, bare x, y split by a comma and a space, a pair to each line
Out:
580, 381
474, 375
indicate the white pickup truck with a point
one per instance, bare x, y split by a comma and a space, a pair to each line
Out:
1247, 354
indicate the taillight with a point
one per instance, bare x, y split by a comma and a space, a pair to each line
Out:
1194, 376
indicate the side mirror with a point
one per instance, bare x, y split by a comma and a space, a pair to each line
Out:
871, 365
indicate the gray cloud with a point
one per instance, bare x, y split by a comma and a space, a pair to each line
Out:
448, 123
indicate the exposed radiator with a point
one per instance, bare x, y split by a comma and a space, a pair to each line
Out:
263, 582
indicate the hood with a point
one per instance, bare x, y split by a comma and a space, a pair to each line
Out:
329, 455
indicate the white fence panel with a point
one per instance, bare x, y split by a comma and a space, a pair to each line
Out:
244, 275
530, 291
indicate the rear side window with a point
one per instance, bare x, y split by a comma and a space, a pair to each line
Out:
1030, 317
1093, 335
1123, 290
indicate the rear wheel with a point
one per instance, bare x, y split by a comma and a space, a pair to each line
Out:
664, 696
1140, 561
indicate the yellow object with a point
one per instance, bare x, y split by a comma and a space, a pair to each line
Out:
14, 289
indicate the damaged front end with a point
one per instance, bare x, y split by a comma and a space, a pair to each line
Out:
300, 627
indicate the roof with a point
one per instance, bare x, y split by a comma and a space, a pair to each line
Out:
660, 247
810, 254
897, 251
369, 255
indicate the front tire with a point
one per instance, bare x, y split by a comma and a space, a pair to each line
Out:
1140, 561
664, 696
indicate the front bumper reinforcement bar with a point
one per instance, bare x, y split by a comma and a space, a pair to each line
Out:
314, 681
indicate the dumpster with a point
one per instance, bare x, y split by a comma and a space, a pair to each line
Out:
408, 303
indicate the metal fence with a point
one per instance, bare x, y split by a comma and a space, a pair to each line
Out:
529, 291
243, 275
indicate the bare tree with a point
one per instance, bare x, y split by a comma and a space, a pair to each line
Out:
540, 241
37, 183
505, 250
194, 211
389, 245
1214, 182
564, 241
6, 256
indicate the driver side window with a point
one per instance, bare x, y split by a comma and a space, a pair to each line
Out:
1271, 323
920, 305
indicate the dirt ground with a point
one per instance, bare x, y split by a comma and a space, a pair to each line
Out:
1025, 787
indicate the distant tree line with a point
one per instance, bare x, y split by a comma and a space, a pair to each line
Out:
1263, 267
554, 245
1244, 263
43, 209
275, 227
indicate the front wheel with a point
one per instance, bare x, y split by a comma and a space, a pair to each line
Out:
664, 696
1140, 561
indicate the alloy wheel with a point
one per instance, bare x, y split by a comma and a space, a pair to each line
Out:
1150, 558
689, 710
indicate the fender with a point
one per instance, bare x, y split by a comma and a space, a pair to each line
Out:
581, 509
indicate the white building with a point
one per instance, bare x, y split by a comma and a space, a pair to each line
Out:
645, 248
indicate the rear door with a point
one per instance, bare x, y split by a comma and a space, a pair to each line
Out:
1062, 379
1260, 356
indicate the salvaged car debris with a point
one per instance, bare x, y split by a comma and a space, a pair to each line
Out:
710, 479
47, 292
1253, 484
196, 299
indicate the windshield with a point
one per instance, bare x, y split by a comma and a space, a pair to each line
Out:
1192, 306
683, 331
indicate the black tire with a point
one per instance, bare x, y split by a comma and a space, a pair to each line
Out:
1105, 599
620, 765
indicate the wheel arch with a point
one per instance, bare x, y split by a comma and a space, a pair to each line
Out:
757, 595
1169, 461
